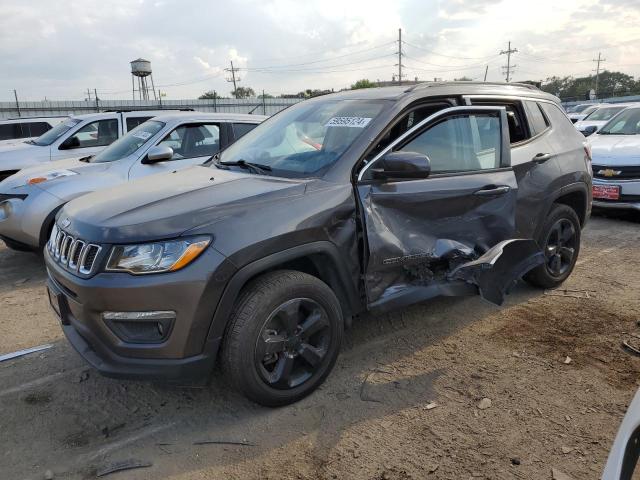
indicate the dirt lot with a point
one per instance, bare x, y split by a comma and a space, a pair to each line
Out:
374, 418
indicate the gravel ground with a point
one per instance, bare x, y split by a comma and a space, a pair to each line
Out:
405, 401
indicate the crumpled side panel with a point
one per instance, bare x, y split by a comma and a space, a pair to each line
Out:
417, 238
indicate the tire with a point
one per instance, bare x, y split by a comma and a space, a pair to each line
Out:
261, 347
547, 275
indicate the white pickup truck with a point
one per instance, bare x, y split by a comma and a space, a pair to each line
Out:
78, 136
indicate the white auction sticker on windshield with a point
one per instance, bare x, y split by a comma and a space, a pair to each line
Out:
355, 122
142, 135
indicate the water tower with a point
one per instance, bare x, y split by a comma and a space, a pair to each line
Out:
141, 69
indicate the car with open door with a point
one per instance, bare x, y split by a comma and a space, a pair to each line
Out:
30, 199
358, 201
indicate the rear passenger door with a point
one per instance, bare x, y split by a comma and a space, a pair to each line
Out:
533, 159
192, 144
419, 232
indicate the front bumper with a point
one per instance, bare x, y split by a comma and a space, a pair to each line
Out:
187, 353
629, 194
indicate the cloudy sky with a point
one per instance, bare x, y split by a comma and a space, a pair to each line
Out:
59, 49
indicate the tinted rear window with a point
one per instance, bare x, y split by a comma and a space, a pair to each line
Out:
241, 129
537, 121
133, 122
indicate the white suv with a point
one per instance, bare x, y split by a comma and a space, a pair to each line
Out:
78, 136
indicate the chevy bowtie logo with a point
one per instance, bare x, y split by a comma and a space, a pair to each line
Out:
609, 172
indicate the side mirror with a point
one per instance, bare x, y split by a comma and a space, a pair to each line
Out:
71, 142
589, 130
402, 165
159, 153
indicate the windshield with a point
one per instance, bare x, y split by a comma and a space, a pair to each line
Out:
305, 139
56, 132
587, 111
604, 113
626, 122
128, 144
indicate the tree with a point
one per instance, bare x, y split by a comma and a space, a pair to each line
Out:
210, 95
265, 95
243, 92
364, 83
463, 79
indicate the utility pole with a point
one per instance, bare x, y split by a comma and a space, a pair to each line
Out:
233, 79
95, 90
509, 67
399, 64
15, 94
598, 61
88, 95
486, 70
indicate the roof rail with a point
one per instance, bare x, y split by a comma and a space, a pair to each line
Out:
497, 84
35, 118
150, 109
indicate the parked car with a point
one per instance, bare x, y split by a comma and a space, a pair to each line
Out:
616, 161
599, 117
262, 256
78, 136
30, 199
21, 128
624, 454
582, 114
578, 108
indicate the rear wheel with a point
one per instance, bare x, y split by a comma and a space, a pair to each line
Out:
560, 241
284, 337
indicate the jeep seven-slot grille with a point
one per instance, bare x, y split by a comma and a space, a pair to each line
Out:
72, 253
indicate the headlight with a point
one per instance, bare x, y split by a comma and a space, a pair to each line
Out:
50, 176
156, 257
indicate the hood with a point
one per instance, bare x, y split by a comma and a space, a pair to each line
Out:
168, 204
617, 150
14, 141
17, 146
43, 169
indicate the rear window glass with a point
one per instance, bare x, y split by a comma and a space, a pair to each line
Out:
537, 121
241, 129
9, 131
133, 122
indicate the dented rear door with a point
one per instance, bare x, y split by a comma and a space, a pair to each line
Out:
420, 233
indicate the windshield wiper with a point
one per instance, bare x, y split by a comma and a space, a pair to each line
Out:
86, 159
254, 167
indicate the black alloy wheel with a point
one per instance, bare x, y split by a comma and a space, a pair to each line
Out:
292, 344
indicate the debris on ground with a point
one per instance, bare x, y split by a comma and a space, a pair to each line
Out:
26, 351
22, 281
558, 475
630, 348
48, 475
431, 406
567, 360
121, 466
566, 450
243, 442
515, 461
568, 293
484, 403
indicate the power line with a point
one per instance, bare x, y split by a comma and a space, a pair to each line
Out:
255, 69
444, 55
598, 60
233, 78
399, 52
509, 68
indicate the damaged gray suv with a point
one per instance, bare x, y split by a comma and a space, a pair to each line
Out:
359, 201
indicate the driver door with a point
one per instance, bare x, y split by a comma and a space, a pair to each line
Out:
192, 144
441, 234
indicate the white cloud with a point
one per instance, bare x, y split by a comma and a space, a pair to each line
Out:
59, 52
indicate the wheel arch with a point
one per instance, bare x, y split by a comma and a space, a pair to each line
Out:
45, 228
320, 259
576, 196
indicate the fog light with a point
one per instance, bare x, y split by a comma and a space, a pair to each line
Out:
140, 327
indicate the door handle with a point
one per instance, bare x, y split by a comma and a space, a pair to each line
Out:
541, 157
492, 190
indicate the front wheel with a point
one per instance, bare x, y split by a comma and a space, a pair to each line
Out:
560, 241
283, 338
